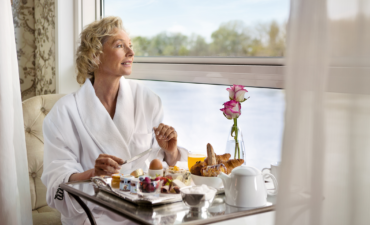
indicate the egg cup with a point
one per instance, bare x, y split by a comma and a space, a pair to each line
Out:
155, 173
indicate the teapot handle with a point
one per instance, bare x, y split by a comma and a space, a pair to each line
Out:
274, 180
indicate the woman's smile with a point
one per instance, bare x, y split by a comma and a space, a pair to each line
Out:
127, 64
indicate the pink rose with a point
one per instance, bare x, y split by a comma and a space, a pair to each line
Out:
231, 109
237, 92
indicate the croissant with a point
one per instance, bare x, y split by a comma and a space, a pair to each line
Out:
197, 167
220, 158
211, 155
213, 171
232, 163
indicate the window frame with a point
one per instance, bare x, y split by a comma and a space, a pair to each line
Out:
265, 76
249, 71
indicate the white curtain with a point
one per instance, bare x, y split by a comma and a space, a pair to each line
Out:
15, 199
325, 169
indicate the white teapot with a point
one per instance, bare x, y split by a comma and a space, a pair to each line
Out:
245, 187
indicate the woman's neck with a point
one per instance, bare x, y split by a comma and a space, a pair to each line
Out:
106, 89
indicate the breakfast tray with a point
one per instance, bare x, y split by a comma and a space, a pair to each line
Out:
153, 200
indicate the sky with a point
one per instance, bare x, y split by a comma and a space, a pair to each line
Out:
150, 17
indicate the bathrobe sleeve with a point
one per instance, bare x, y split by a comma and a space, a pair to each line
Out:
60, 162
157, 119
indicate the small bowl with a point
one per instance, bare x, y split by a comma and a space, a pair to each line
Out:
155, 173
214, 182
149, 187
197, 202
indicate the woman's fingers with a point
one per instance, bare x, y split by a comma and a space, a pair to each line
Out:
168, 131
110, 160
101, 172
106, 168
158, 129
162, 128
166, 137
171, 135
107, 165
163, 131
162, 134
118, 160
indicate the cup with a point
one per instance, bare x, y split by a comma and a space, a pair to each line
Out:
155, 173
274, 170
193, 158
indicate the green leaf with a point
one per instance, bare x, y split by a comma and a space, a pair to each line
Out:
245, 99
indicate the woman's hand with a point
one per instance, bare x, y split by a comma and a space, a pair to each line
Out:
167, 139
107, 165
104, 165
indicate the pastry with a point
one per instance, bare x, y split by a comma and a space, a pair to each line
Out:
213, 171
197, 167
220, 158
137, 173
211, 155
232, 163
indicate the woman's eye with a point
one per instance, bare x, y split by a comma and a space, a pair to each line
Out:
119, 46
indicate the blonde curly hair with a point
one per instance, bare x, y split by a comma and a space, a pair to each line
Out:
91, 46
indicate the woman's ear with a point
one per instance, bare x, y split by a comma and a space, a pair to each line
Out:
97, 60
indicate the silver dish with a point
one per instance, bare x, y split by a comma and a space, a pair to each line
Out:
196, 202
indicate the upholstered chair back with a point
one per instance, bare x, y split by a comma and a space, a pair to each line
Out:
34, 111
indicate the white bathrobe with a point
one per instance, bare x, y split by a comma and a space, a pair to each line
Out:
79, 128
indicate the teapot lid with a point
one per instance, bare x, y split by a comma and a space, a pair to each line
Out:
246, 171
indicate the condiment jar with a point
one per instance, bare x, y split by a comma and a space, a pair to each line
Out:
125, 183
116, 179
134, 186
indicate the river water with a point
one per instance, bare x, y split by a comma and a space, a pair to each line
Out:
194, 111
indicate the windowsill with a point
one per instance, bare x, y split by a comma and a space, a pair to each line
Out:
271, 61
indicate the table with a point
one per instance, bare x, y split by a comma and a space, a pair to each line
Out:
175, 213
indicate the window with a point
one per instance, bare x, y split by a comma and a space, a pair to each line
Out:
189, 52
213, 28
194, 111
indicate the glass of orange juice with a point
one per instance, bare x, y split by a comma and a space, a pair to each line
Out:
193, 158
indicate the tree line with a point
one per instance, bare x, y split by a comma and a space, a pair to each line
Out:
231, 39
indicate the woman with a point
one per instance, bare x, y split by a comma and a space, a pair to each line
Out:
110, 119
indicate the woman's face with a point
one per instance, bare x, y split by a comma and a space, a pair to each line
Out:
117, 56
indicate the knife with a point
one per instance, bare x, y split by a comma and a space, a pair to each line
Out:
137, 156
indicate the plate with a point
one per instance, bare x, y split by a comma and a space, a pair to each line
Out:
210, 181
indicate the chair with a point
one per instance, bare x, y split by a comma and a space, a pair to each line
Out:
34, 111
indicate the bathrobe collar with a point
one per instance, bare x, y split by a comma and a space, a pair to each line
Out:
112, 136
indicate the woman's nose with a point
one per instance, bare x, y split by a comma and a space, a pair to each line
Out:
130, 52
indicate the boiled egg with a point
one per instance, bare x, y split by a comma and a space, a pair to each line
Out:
155, 165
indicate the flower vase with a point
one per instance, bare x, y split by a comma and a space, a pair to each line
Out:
230, 145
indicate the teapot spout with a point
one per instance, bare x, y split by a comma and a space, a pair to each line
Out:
225, 179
